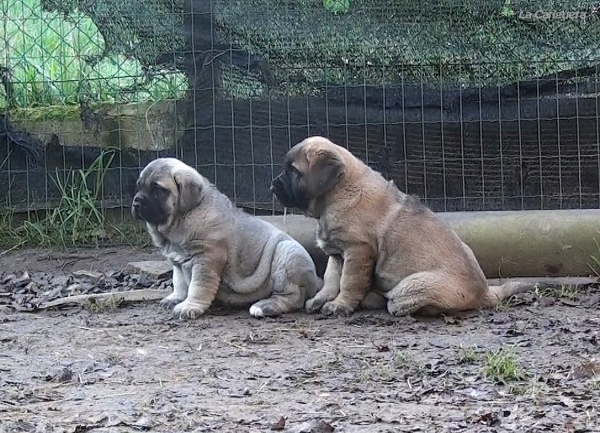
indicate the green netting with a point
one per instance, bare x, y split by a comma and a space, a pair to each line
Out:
58, 55
310, 43
140, 29
58, 50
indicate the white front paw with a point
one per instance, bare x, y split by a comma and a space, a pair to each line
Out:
189, 310
256, 311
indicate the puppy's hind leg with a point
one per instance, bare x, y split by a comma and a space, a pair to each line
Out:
293, 277
429, 293
180, 289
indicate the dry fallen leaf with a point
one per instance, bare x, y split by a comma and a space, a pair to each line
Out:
324, 427
587, 369
489, 419
280, 425
382, 348
569, 427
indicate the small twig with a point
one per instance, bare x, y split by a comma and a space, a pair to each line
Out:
238, 346
92, 329
263, 385
63, 264
120, 394
64, 400
3, 253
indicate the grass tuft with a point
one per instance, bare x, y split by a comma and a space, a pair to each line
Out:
78, 218
595, 258
400, 360
107, 305
502, 366
564, 291
467, 355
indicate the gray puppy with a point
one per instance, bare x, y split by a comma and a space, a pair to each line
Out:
218, 251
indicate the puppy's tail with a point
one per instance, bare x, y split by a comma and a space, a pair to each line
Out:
497, 294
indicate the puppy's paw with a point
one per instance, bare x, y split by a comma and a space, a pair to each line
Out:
256, 311
314, 305
189, 310
373, 301
170, 301
400, 309
334, 308
269, 308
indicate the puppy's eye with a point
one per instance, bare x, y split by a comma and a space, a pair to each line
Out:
157, 188
294, 170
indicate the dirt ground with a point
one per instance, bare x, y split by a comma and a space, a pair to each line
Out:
134, 368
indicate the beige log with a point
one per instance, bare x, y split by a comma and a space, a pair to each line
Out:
129, 296
507, 244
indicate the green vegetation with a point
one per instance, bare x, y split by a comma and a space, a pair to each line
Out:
564, 291
467, 42
400, 359
98, 306
46, 113
61, 56
51, 59
595, 258
467, 355
501, 366
77, 219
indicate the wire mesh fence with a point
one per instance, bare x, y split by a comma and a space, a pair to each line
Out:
59, 58
468, 104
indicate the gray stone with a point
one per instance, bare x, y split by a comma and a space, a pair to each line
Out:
59, 280
91, 275
8, 279
313, 427
152, 268
23, 280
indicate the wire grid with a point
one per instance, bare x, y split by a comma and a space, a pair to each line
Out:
60, 59
425, 94
448, 125
57, 68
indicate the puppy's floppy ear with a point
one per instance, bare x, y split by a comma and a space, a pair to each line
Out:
325, 170
190, 191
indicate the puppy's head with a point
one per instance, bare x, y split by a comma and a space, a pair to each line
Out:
312, 168
167, 188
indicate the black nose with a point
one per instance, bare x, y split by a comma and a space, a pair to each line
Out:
137, 201
276, 184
